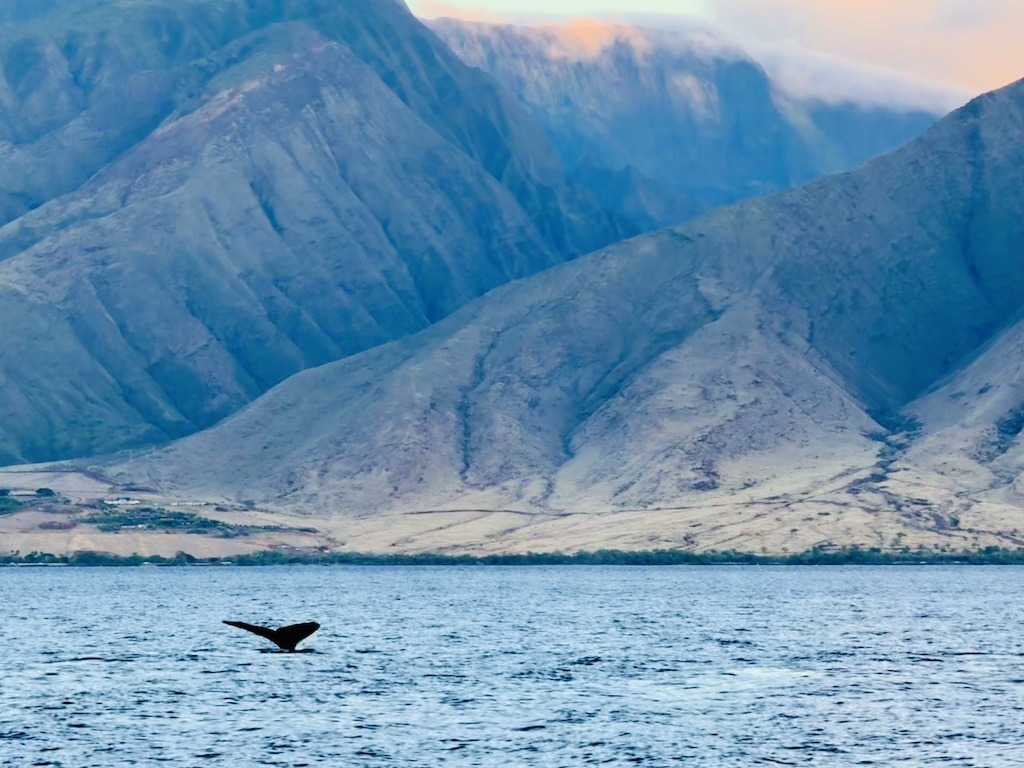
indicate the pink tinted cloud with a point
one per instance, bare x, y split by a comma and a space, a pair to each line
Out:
975, 45
978, 44
436, 9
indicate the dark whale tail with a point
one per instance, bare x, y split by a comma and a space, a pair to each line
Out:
285, 638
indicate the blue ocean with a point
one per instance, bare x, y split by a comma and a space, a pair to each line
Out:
520, 666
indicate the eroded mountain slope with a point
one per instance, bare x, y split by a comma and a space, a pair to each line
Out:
206, 197
746, 377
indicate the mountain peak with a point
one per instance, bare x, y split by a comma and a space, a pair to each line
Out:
234, 191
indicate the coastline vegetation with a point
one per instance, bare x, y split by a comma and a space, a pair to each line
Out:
849, 556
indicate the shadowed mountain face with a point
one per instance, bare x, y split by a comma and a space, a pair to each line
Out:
777, 351
203, 197
664, 125
85, 81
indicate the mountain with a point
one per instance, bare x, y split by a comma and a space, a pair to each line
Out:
203, 197
682, 118
835, 364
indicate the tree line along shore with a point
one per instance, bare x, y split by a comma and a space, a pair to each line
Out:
848, 556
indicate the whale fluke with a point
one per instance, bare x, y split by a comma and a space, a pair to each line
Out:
285, 638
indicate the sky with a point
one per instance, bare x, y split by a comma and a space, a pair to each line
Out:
970, 45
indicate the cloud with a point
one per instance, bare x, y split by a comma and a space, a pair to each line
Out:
978, 45
806, 74
587, 38
435, 9
958, 46
797, 71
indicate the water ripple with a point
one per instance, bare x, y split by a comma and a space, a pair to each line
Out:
501, 667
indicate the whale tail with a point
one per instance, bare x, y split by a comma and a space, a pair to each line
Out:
285, 638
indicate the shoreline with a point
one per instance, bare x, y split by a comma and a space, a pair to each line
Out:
851, 556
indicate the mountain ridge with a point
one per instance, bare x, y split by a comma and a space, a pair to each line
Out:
263, 219
752, 369
686, 111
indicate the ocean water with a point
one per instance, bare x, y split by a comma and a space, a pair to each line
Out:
474, 666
